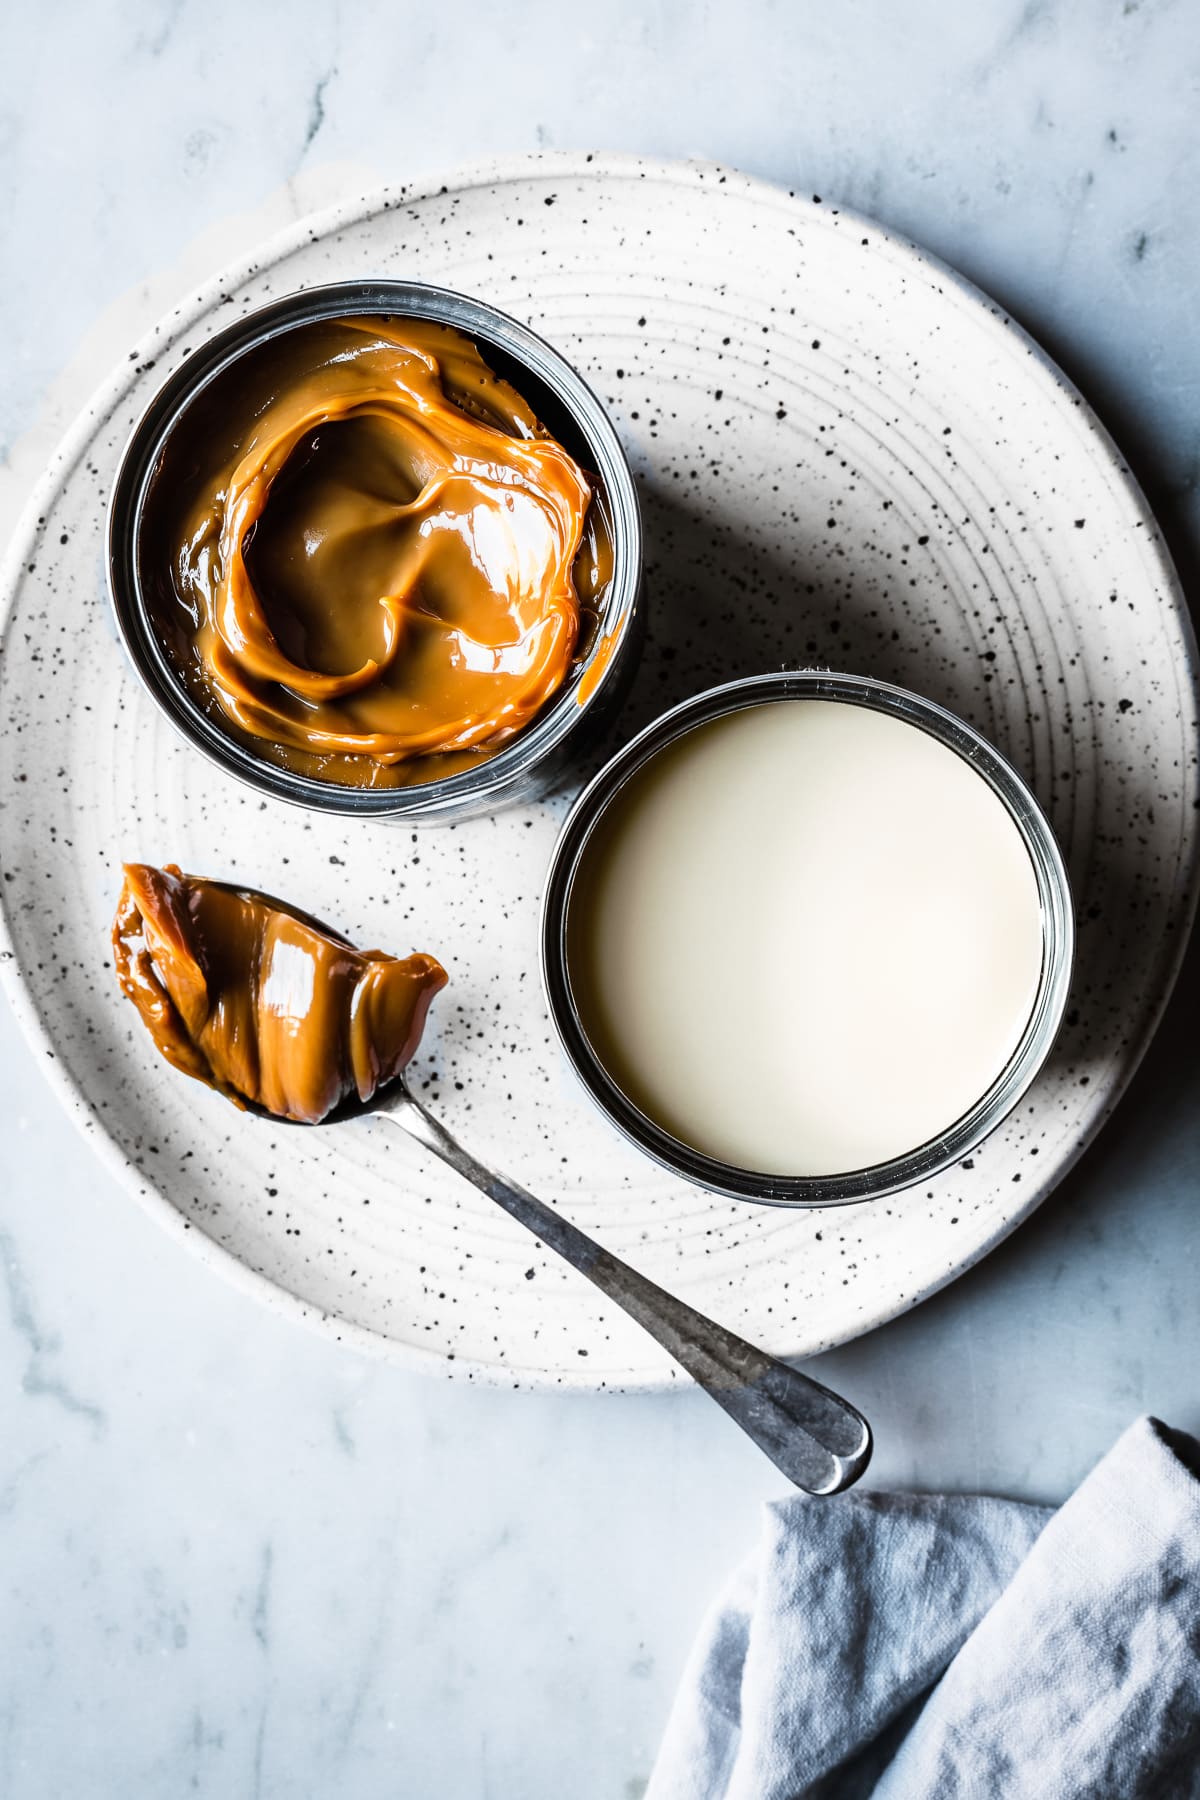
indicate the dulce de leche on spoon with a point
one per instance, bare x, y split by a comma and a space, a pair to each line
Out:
261, 1002
284, 1016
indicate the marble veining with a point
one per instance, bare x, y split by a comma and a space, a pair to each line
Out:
237, 1559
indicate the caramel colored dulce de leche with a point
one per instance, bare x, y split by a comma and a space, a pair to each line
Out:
380, 565
258, 1000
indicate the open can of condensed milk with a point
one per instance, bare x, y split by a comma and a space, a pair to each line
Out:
807, 939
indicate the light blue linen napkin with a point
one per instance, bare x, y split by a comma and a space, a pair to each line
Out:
914, 1647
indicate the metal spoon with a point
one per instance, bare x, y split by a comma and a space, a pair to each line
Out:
819, 1441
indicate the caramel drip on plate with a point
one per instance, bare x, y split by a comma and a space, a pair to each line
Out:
258, 1000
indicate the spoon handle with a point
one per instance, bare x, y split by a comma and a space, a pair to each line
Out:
819, 1441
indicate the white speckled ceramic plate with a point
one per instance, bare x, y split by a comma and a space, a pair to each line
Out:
847, 456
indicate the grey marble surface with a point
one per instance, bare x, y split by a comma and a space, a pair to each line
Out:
233, 1559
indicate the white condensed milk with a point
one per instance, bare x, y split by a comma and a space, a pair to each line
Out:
805, 938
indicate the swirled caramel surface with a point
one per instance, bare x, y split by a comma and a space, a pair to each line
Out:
367, 557
258, 1000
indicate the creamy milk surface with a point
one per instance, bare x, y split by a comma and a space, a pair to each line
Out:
806, 938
